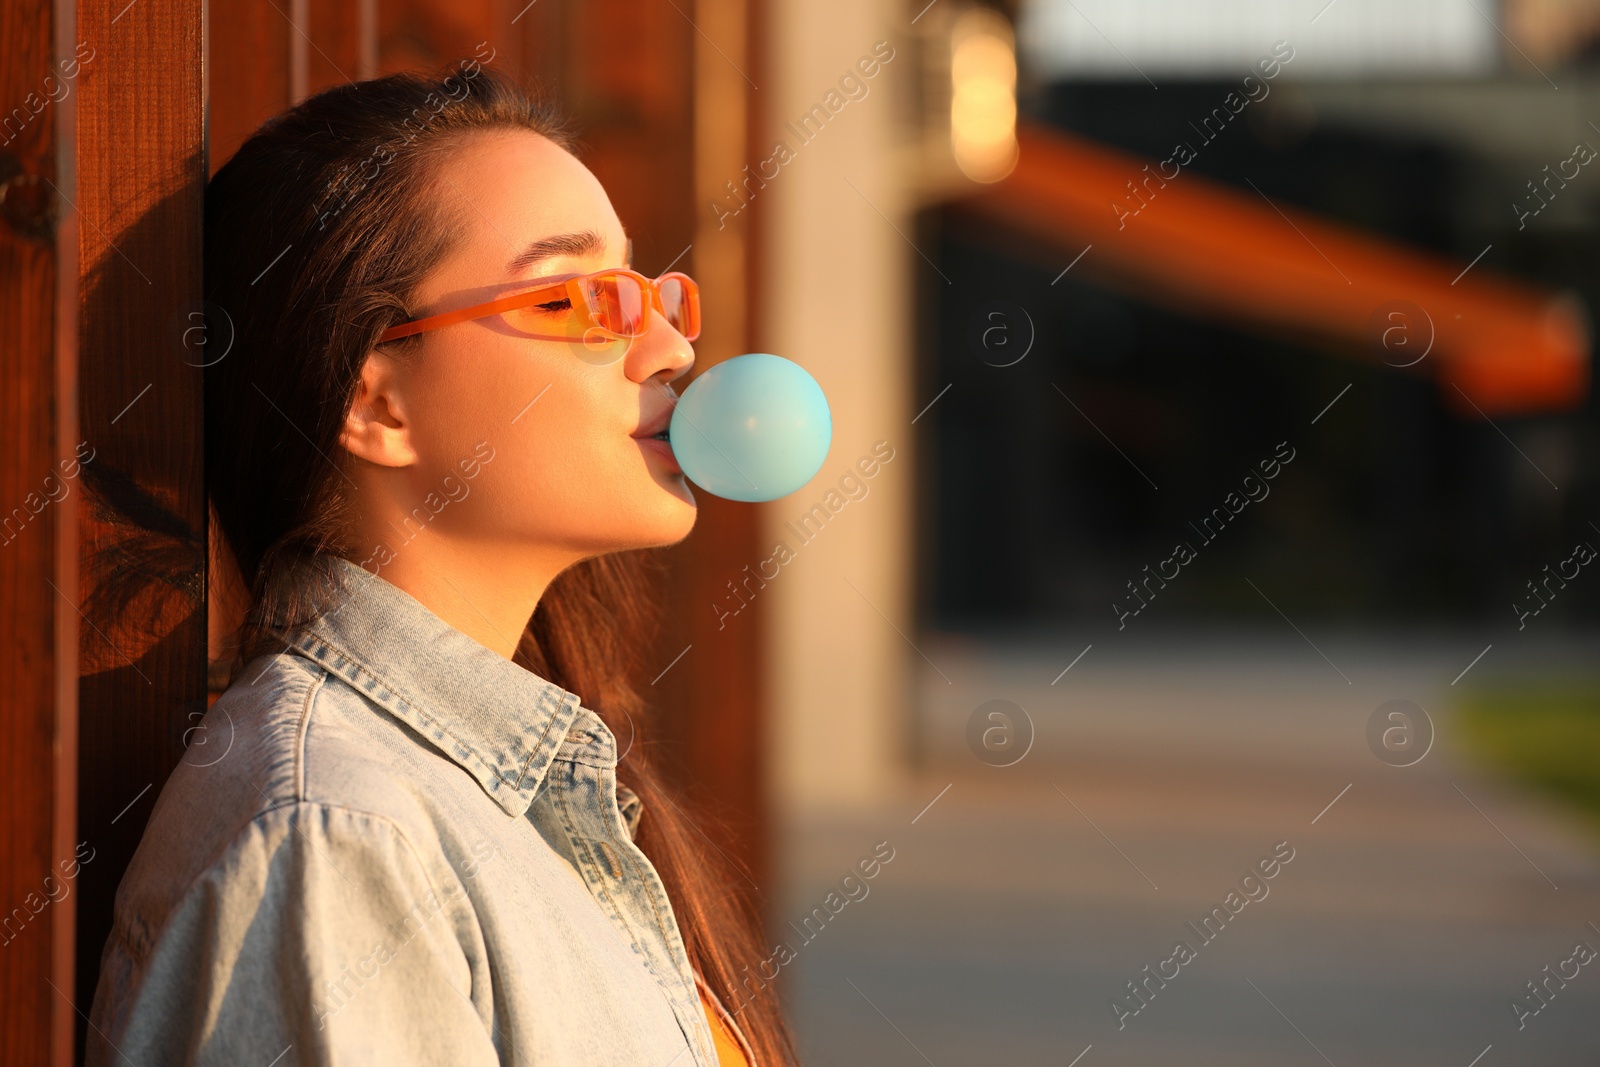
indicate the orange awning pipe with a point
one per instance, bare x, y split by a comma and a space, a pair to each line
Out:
1213, 250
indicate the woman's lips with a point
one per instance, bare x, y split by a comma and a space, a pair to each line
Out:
660, 447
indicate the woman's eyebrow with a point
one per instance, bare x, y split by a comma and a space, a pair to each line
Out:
580, 243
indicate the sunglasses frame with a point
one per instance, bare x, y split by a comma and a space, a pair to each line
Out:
574, 290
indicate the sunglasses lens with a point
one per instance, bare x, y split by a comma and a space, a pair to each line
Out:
617, 305
612, 309
682, 303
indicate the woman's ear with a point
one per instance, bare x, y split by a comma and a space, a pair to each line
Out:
378, 428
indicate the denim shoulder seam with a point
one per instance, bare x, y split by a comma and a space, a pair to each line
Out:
303, 727
388, 821
399, 831
234, 842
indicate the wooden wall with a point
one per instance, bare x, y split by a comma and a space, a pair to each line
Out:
140, 175
38, 585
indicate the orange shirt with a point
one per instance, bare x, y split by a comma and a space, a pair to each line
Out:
730, 1050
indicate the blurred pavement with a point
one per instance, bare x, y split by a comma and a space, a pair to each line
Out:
1415, 907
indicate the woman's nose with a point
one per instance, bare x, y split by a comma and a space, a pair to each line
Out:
661, 352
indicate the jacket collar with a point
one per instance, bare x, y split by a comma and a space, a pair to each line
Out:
500, 722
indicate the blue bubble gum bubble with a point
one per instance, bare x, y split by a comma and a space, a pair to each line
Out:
752, 428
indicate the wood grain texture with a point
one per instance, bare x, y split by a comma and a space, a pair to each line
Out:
661, 102
249, 80
141, 168
715, 695
429, 34
35, 1023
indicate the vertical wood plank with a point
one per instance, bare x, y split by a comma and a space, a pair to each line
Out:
717, 690
140, 173
663, 119
427, 34
340, 40
663, 114
248, 79
35, 921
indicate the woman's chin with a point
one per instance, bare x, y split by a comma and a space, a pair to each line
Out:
682, 502
673, 516
684, 511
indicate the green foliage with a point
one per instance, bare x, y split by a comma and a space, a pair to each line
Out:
1545, 734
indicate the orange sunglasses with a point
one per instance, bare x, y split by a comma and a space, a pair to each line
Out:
594, 310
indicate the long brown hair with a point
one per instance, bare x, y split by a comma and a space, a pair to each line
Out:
317, 232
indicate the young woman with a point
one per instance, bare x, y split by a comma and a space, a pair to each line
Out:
432, 441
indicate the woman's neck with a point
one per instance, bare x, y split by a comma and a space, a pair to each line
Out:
488, 595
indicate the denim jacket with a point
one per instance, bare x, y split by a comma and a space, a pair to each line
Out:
395, 846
